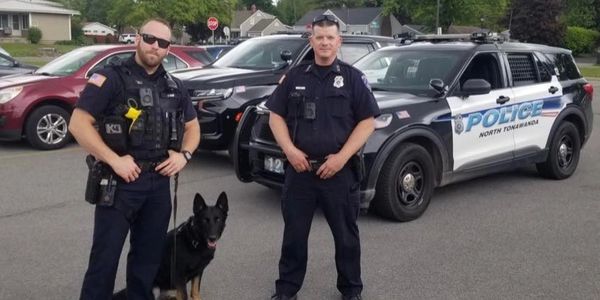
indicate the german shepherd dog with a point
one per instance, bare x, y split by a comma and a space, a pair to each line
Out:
196, 242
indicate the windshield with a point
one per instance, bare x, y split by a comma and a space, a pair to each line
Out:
409, 71
68, 63
260, 53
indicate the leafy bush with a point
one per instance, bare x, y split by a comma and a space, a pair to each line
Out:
34, 35
581, 40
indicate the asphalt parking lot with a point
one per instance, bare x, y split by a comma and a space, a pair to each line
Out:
512, 235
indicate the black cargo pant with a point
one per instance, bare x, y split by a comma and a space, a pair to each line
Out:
338, 198
142, 207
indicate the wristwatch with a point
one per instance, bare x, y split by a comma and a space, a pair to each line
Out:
187, 155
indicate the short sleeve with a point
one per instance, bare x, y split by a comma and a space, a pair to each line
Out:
277, 103
365, 105
101, 87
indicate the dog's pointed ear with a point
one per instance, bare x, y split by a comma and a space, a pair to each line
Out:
222, 201
199, 203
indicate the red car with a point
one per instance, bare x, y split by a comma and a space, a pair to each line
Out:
38, 106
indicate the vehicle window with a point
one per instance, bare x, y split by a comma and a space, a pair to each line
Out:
569, 66
409, 71
260, 53
68, 63
180, 64
484, 66
200, 55
111, 59
351, 52
543, 69
522, 68
5, 62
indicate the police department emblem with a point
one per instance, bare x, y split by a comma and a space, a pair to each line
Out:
459, 126
338, 81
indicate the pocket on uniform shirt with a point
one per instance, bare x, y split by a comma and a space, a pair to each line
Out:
338, 101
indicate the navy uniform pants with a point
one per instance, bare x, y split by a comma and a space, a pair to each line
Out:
339, 199
142, 207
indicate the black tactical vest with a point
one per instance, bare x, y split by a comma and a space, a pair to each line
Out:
158, 128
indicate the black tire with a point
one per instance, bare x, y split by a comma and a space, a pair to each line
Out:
402, 200
46, 128
563, 156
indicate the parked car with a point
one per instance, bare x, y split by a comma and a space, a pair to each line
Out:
450, 110
38, 106
11, 66
127, 38
249, 73
216, 51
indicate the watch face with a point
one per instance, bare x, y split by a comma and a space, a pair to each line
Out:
187, 155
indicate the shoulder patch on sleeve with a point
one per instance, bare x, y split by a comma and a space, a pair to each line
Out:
97, 79
365, 81
281, 79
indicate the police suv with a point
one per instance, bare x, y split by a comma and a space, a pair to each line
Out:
452, 108
248, 74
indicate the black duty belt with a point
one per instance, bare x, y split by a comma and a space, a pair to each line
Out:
147, 165
315, 164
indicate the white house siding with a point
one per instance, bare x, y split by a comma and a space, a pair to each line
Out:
54, 27
252, 20
97, 29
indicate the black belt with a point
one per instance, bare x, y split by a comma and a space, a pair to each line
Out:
315, 164
147, 165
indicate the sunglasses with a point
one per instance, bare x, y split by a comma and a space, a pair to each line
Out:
150, 39
321, 18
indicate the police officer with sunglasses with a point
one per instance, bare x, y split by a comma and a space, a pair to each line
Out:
322, 113
147, 131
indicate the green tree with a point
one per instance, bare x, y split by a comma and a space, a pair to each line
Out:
538, 21
290, 11
583, 13
263, 5
341, 3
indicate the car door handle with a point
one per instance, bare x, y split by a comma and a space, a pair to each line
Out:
553, 89
502, 99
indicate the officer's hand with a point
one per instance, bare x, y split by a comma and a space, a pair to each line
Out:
126, 168
333, 164
298, 159
172, 165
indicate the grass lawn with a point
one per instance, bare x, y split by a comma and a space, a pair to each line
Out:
591, 71
23, 49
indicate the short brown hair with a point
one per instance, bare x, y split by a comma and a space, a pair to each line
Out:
159, 20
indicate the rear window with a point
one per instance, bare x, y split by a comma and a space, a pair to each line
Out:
200, 55
564, 66
522, 68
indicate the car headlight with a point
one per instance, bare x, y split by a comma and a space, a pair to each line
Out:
212, 94
10, 93
384, 120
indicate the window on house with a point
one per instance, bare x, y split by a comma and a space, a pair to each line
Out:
3, 21
15, 22
25, 21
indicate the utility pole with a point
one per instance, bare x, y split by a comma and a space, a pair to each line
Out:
437, 18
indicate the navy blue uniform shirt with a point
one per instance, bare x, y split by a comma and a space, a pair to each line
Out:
98, 96
342, 98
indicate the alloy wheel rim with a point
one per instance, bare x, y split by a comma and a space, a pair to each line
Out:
410, 184
52, 129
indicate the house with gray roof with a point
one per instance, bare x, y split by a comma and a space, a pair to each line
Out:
244, 20
364, 20
267, 26
53, 19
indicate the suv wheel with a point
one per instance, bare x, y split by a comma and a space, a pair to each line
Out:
406, 184
564, 153
47, 128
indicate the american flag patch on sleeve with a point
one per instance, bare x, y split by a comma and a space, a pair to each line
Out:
97, 79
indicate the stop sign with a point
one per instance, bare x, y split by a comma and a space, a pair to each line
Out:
212, 23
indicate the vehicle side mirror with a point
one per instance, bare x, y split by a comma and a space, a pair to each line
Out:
16, 64
476, 87
439, 86
286, 55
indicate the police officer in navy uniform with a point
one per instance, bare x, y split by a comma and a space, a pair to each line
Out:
322, 113
155, 143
